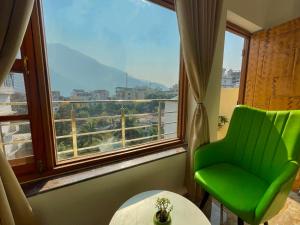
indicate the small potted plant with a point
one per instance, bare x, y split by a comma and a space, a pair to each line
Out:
162, 216
222, 120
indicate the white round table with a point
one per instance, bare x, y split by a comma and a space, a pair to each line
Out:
139, 210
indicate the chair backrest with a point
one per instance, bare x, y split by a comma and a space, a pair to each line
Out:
263, 141
14, 204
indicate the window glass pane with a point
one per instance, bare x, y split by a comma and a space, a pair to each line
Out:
114, 71
12, 95
15, 139
232, 64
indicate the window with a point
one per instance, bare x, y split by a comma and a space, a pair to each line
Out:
128, 49
18, 114
233, 74
99, 81
15, 132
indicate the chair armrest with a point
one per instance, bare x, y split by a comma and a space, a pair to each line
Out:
276, 195
209, 154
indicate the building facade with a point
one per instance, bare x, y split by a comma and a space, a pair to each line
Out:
100, 95
80, 95
14, 139
124, 93
231, 78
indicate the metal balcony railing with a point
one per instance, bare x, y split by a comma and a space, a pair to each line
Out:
75, 132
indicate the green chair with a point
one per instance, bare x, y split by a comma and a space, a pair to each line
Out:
252, 169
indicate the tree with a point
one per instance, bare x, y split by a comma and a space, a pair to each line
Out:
89, 126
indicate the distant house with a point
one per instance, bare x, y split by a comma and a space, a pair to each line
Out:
124, 93
231, 78
10, 132
100, 95
6, 92
80, 95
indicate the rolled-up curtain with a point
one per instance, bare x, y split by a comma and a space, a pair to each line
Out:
14, 18
198, 22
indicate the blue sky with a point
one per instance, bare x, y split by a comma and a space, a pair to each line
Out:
233, 51
135, 36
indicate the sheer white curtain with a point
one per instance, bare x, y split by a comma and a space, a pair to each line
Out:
13, 199
14, 17
198, 22
5, 212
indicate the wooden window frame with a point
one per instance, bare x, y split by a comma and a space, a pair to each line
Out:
47, 163
233, 28
29, 164
170, 4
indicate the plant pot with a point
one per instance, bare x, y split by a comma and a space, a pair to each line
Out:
157, 222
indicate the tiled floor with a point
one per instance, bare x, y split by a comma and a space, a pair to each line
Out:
289, 215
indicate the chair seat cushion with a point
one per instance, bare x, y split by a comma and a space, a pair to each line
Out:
237, 189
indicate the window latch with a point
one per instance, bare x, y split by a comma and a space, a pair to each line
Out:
25, 63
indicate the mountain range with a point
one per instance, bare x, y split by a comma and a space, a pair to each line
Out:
70, 69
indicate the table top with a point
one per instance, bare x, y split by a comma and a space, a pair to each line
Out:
140, 209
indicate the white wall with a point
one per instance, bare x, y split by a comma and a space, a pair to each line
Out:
93, 202
253, 10
280, 11
265, 13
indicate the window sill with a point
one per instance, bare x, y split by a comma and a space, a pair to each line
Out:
48, 184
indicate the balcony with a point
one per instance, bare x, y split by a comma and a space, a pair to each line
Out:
99, 126
127, 124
